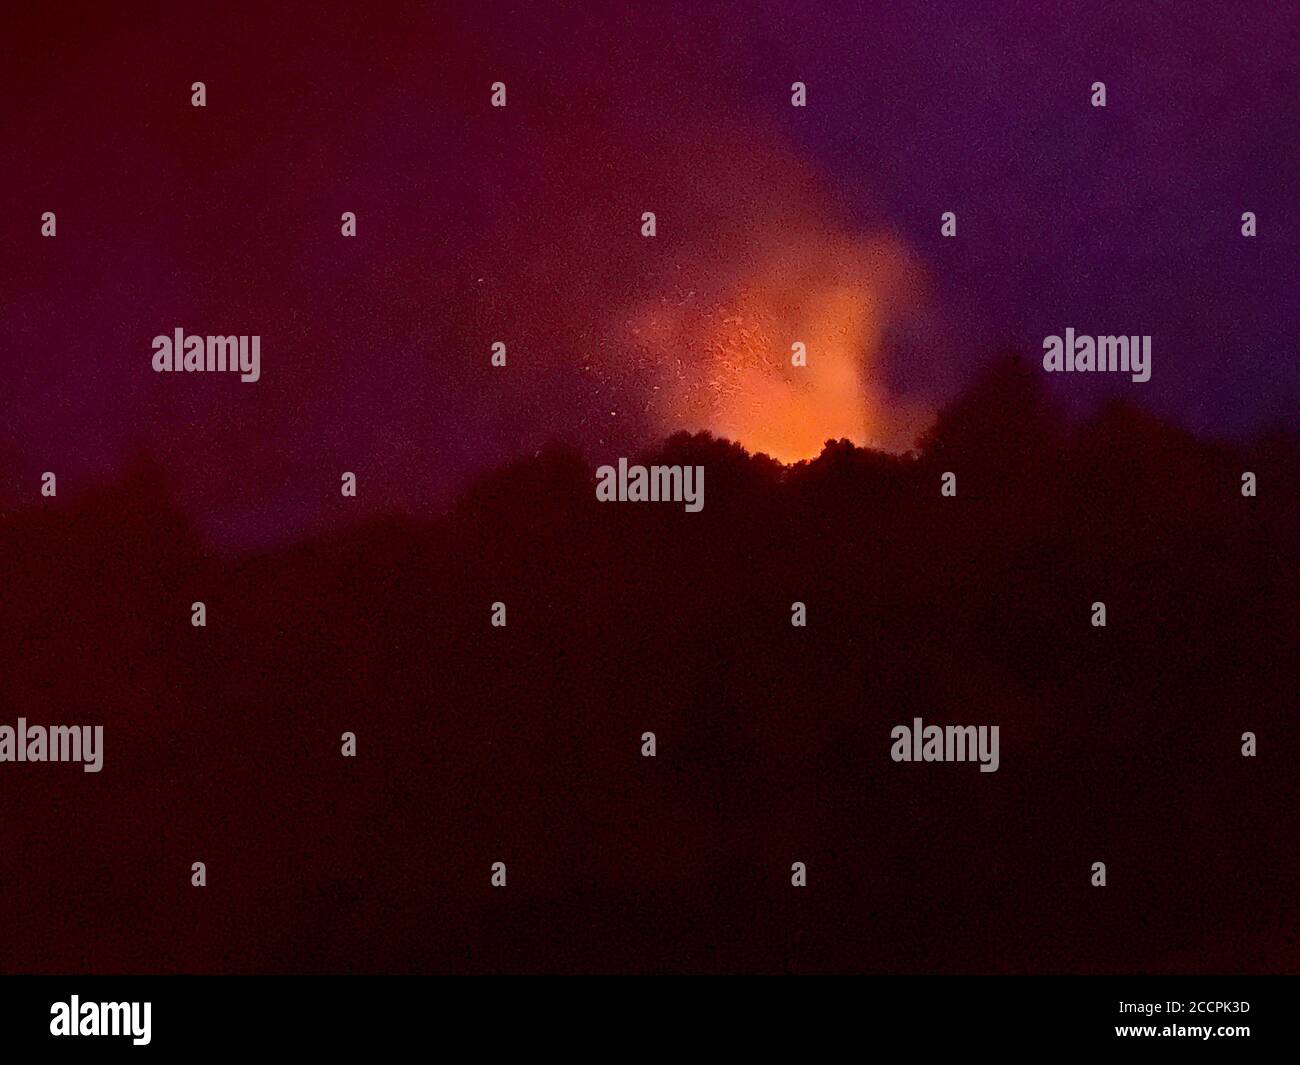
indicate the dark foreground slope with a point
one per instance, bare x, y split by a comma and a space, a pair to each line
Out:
522, 745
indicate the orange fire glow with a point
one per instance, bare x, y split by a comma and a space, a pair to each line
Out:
762, 258
728, 354
729, 363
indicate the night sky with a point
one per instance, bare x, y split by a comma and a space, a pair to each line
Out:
315, 697
522, 225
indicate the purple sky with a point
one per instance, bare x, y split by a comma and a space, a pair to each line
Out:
521, 224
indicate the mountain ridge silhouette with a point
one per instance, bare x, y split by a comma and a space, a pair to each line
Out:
522, 744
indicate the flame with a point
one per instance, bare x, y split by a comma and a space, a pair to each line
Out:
729, 356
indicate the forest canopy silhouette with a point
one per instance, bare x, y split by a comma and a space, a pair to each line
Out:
522, 744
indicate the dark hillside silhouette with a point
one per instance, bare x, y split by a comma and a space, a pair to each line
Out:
521, 744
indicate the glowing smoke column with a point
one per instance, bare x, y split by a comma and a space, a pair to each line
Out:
727, 352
